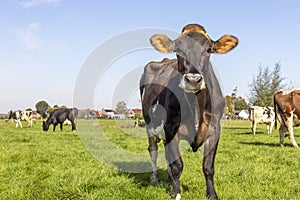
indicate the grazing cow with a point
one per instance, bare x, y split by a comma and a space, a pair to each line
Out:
181, 98
262, 115
59, 116
287, 107
19, 115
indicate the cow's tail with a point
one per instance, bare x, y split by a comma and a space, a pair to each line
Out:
275, 111
142, 82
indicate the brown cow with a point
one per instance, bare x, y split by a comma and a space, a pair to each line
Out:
287, 107
182, 98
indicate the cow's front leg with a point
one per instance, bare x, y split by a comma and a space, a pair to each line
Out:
175, 165
210, 149
61, 126
54, 126
153, 151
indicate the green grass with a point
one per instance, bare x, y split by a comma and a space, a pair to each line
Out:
57, 165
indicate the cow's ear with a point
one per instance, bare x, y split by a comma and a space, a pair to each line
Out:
162, 43
225, 44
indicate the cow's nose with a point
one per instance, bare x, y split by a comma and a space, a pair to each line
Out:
193, 78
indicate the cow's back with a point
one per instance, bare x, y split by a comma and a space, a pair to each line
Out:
59, 115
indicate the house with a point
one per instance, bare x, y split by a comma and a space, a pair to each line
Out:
133, 112
107, 113
243, 114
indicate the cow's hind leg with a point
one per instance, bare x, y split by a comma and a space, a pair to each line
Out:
175, 165
271, 127
30, 123
73, 125
291, 136
253, 127
282, 130
291, 131
61, 126
153, 151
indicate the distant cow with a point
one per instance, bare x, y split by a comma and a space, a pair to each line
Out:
59, 116
20, 116
262, 115
287, 109
181, 98
139, 123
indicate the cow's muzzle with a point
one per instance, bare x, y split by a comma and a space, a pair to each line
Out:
192, 83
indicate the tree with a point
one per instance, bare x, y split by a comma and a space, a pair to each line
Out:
121, 108
241, 104
234, 103
42, 107
265, 85
233, 99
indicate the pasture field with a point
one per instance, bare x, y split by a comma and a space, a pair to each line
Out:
56, 165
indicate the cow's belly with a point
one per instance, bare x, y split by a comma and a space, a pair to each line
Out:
265, 121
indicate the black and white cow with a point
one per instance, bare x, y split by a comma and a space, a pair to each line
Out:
59, 116
262, 115
182, 98
19, 116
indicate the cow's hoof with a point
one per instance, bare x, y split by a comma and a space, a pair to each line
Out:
176, 196
153, 179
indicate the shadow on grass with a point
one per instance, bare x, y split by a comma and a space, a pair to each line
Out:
245, 131
143, 178
139, 176
266, 144
235, 128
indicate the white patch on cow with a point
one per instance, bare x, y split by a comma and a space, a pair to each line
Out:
67, 122
289, 129
142, 95
18, 123
178, 196
154, 108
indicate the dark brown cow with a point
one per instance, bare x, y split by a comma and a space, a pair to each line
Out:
181, 98
59, 116
287, 107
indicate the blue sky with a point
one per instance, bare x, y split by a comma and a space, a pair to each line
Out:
45, 43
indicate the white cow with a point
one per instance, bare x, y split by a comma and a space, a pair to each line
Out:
262, 115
